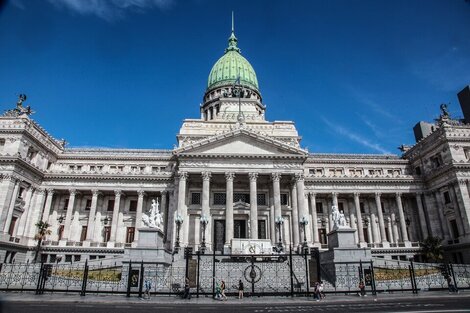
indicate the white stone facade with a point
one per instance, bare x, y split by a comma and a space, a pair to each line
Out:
240, 172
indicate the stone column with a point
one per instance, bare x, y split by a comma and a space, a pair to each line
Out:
117, 205
463, 202
163, 210
313, 203
27, 211
182, 209
91, 217
334, 197
373, 225
48, 206
442, 218
381, 217
138, 214
299, 178
295, 215
353, 225
396, 237
206, 179
7, 186
11, 207
253, 206
68, 215
35, 214
401, 215
360, 228
276, 177
229, 176
421, 216
458, 211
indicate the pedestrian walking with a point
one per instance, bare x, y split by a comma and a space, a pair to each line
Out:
451, 285
240, 289
148, 287
362, 288
322, 294
316, 291
222, 290
187, 289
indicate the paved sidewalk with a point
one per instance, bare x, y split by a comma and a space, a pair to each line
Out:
330, 298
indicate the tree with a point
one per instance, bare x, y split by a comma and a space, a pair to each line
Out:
43, 231
432, 248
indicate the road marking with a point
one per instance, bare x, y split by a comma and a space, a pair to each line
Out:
435, 311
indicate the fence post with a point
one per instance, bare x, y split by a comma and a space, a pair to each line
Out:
453, 276
40, 277
141, 278
198, 261
252, 276
129, 280
291, 273
374, 290
306, 270
85, 278
415, 286
213, 274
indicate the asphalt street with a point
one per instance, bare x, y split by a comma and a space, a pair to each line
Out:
423, 305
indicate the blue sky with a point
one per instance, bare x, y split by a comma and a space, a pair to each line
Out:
355, 76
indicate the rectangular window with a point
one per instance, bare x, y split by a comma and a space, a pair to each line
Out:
132, 205
436, 161
77, 258
322, 235
83, 234
467, 153
219, 198
2, 143
261, 199
195, 198
107, 233
447, 197
319, 206
92, 168
130, 234
363, 210
68, 258
261, 229
454, 228
243, 197
284, 199
110, 205
88, 205
12, 225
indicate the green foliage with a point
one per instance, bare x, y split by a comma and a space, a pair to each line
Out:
43, 231
432, 249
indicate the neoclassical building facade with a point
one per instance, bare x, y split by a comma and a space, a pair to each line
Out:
232, 175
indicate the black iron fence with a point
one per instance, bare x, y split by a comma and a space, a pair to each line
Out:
275, 274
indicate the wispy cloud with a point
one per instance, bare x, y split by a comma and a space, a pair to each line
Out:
369, 101
110, 10
354, 136
447, 71
375, 129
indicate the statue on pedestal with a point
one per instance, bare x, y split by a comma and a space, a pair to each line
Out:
155, 218
338, 218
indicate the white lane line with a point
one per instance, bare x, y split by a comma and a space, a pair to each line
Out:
434, 311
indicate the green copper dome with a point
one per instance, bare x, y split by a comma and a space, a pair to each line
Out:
232, 64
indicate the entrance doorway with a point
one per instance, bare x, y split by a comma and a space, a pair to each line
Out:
239, 228
219, 235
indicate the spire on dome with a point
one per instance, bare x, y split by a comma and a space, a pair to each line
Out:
232, 40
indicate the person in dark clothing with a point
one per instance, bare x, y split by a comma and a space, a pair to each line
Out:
240, 289
187, 294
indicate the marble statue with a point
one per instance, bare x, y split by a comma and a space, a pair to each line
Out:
154, 219
338, 217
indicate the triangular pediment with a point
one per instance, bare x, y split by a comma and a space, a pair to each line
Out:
240, 142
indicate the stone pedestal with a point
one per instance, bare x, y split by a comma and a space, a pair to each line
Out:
149, 248
342, 252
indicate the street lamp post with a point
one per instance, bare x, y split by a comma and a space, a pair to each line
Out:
279, 221
304, 223
204, 221
178, 221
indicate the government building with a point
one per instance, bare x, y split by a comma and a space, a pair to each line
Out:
232, 175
